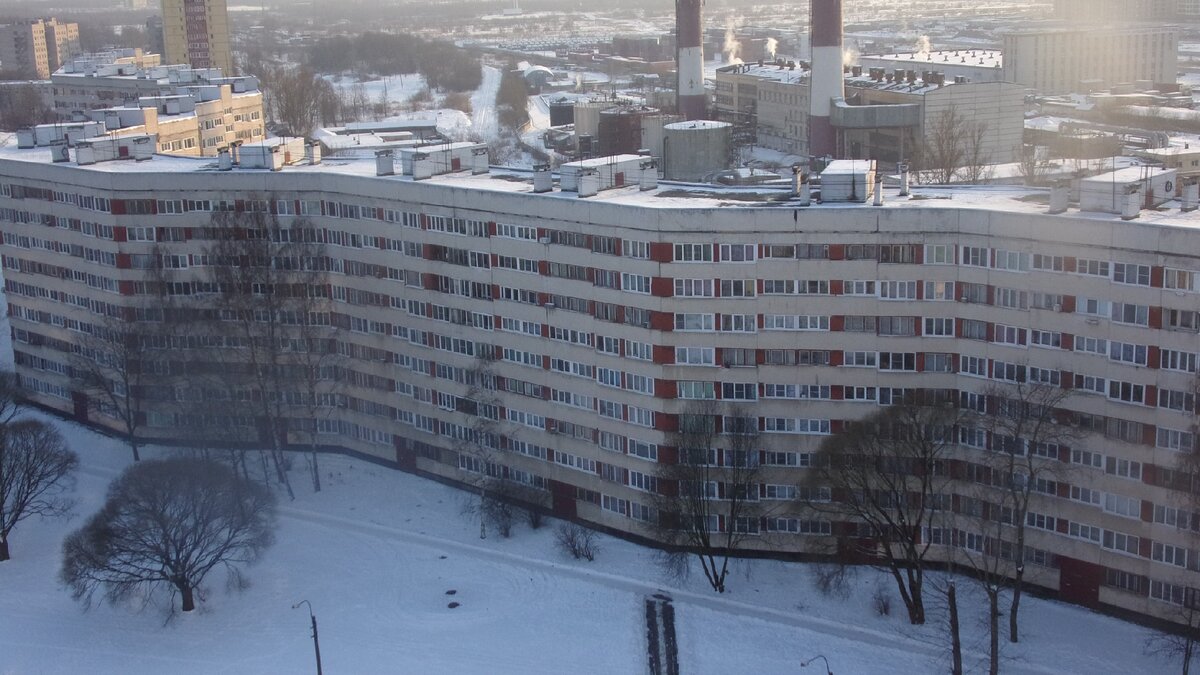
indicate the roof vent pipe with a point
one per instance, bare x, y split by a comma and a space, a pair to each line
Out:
385, 163
543, 180
649, 177
878, 201
1191, 195
479, 161
903, 169
589, 183
1132, 205
805, 191
1060, 195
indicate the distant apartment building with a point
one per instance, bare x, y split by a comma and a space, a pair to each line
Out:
1058, 58
196, 32
37, 47
190, 111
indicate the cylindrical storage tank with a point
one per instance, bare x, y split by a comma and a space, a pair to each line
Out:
693, 150
562, 111
587, 117
652, 132
621, 130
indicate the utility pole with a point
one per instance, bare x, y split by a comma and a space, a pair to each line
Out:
316, 642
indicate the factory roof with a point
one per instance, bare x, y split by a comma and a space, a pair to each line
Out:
979, 58
768, 71
667, 195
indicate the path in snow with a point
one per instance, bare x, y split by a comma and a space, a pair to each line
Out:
483, 105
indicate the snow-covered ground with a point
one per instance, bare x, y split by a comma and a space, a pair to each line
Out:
398, 88
376, 551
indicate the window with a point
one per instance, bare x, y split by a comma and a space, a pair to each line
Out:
1182, 280
739, 391
1171, 555
939, 290
738, 252
860, 287
1173, 439
1125, 352
897, 361
1048, 263
860, 359
1043, 338
975, 256
1119, 541
635, 283
938, 327
898, 290
694, 288
690, 389
1013, 261
1123, 468
1123, 312
694, 322
1012, 298
1126, 391
1123, 506
693, 253
1096, 268
738, 288
1130, 273
695, 356
1086, 458
1171, 359
939, 254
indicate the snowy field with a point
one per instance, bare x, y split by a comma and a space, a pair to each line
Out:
376, 552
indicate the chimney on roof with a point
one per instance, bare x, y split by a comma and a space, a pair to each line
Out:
903, 169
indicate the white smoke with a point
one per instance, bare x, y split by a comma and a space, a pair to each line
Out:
923, 46
731, 49
849, 56
772, 47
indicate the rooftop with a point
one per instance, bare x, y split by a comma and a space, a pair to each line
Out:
667, 195
979, 58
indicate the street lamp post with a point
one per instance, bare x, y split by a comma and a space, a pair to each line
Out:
805, 664
316, 643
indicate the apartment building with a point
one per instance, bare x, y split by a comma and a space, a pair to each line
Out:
35, 48
196, 32
611, 313
191, 111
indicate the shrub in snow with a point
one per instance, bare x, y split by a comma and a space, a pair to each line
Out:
577, 540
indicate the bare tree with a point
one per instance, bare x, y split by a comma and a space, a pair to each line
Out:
270, 281
35, 474
169, 523
1034, 168
1183, 643
109, 364
955, 145
21, 106
1029, 427
889, 473
481, 448
297, 99
706, 502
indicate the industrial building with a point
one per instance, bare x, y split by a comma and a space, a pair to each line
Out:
196, 32
885, 115
1064, 58
977, 65
1118, 11
35, 48
610, 312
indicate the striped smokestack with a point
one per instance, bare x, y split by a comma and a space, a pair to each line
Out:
825, 83
689, 60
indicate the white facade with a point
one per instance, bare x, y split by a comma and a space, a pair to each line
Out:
1057, 59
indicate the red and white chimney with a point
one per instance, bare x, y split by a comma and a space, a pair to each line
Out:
825, 82
689, 60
